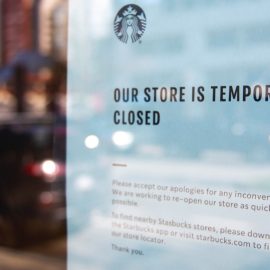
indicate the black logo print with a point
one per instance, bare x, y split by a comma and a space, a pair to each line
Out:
130, 23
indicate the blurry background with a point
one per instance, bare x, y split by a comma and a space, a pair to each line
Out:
33, 50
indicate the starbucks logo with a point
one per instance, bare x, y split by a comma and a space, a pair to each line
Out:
130, 23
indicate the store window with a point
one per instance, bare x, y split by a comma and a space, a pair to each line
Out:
134, 135
168, 135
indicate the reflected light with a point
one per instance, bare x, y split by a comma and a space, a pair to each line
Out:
84, 183
122, 139
91, 141
49, 167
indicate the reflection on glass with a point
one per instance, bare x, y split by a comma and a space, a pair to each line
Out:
49, 167
91, 141
84, 183
197, 147
123, 139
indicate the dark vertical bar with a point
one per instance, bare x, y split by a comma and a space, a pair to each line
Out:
19, 86
35, 24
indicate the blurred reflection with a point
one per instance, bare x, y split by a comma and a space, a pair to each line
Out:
84, 183
7, 100
49, 167
123, 139
91, 141
32, 130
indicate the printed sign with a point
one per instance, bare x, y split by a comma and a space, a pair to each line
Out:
168, 135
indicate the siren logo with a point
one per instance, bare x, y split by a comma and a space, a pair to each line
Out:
130, 23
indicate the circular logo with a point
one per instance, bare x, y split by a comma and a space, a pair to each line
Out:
130, 23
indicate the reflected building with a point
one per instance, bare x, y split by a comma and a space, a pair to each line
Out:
17, 28
33, 25
53, 28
